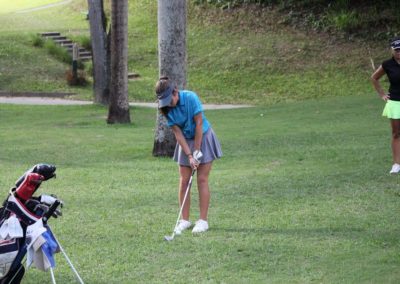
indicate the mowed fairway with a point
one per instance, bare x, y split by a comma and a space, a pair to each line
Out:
302, 195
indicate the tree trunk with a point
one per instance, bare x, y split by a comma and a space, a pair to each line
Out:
118, 111
172, 63
100, 52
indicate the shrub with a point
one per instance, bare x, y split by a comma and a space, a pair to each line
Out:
58, 52
83, 41
78, 80
86, 43
37, 40
344, 20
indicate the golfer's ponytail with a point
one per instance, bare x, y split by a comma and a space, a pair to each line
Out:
161, 85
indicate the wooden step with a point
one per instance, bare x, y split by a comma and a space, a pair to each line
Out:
58, 37
85, 58
70, 47
47, 34
84, 53
63, 41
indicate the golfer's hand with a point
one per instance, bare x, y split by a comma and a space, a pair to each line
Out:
193, 162
385, 97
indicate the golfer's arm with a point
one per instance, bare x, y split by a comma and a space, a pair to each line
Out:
181, 139
375, 80
198, 136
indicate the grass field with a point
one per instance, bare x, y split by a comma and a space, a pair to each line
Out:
302, 194
19, 5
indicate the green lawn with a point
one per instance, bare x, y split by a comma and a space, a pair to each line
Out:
18, 5
302, 194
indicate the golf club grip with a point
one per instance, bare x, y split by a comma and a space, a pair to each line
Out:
190, 180
53, 208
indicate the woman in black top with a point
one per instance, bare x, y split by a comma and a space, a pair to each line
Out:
391, 68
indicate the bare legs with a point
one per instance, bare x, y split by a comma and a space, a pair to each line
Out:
395, 123
203, 171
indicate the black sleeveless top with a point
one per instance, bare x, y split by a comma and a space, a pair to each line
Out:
392, 70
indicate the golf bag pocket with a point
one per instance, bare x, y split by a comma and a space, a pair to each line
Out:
8, 252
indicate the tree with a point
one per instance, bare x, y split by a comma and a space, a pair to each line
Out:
172, 63
118, 111
100, 51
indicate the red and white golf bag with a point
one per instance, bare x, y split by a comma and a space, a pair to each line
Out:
20, 210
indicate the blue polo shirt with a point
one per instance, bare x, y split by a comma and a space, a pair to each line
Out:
183, 113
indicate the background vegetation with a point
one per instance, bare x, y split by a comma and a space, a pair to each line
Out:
232, 57
370, 19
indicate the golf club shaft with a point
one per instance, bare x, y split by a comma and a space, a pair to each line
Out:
184, 200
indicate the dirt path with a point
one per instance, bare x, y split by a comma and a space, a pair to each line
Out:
60, 101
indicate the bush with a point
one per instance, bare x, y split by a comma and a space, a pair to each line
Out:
58, 52
37, 40
344, 21
78, 80
351, 18
83, 41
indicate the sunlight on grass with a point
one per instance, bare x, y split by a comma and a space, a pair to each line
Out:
7, 6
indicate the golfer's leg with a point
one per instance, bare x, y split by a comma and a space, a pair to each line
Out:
395, 123
204, 192
185, 173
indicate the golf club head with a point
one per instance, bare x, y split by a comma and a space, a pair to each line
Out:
169, 238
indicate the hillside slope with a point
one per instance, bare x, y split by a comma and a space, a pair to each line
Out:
234, 56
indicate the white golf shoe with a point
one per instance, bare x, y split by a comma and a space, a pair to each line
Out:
182, 226
395, 169
200, 227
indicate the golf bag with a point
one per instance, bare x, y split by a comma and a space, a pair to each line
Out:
20, 211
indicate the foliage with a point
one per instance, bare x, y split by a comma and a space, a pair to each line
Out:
83, 41
233, 3
348, 18
37, 40
78, 80
345, 21
232, 57
58, 52
302, 195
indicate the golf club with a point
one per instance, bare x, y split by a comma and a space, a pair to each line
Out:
170, 238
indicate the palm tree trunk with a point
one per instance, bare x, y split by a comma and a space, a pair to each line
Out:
172, 63
100, 52
118, 111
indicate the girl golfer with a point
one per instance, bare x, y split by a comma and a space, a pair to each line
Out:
391, 68
197, 146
